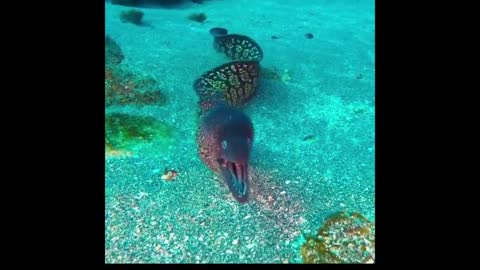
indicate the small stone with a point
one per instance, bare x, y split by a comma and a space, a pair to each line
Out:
142, 195
235, 242
288, 182
342, 205
283, 193
225, 234
250, 246
228, 251
158, 248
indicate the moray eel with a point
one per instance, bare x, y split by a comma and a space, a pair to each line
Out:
225, 140
234, 83
225, 133
237, 47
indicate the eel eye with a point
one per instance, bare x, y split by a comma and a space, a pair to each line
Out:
224, 144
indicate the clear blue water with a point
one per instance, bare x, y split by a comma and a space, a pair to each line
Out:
313, 154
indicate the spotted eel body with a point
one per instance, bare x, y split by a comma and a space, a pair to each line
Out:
225, 134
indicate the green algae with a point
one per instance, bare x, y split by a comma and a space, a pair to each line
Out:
124, 132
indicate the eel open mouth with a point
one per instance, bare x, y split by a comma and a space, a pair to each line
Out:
235, 176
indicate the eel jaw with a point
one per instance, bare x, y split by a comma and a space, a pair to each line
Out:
235, 175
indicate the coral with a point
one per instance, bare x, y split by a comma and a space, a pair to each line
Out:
344, 238
198, 17
123, 131
123, 87
113, 53
132, 16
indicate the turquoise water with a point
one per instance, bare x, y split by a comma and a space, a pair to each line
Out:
313, 114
